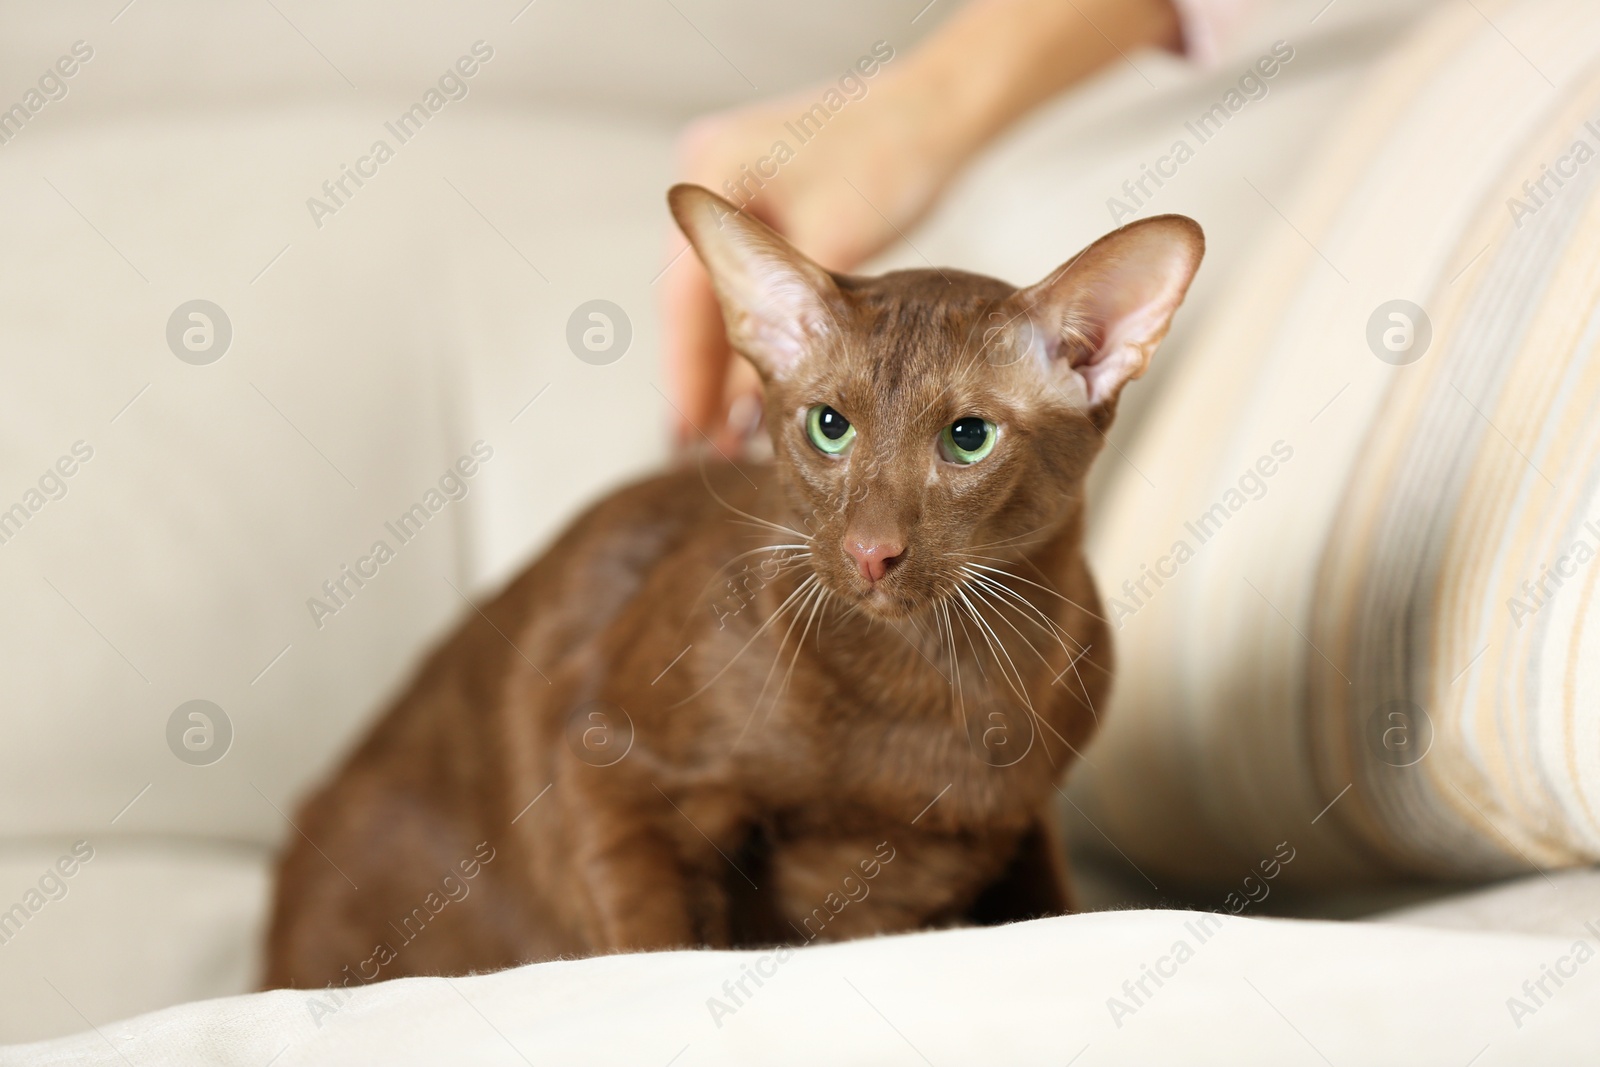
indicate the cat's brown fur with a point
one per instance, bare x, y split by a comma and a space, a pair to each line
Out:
782, 748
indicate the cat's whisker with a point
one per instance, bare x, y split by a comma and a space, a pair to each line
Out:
974, 555
955, 656
1038, 719
998, 649
773, 527
800, 644
1072, 659
808, 610
972, 646
784, 565
916, 624
985, 597
990, 596
799, 552
769, 529
803, 587
1046, 588
1028, 608
959, 705
827, 604
1002, 546
1083, 686
992, 641
777, 656
1071, 664
1019, 602
706, 480
1007, 541
991, 559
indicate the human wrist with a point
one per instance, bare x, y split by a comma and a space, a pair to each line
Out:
943, 114
996, 60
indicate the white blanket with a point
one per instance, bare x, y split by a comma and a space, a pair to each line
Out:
1132, 987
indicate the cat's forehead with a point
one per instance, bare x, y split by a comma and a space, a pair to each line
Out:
910, 331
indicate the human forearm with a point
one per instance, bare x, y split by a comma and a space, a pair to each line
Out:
996, 60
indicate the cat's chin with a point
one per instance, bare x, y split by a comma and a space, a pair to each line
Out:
879, 603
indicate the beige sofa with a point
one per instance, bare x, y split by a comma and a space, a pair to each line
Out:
378, 332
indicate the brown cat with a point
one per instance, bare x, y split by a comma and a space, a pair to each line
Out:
823, 697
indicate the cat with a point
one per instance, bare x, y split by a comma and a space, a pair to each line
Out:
752, 704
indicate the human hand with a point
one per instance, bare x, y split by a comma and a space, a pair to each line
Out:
876, 166
855, 185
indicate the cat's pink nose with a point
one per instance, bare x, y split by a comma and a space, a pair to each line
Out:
874, 558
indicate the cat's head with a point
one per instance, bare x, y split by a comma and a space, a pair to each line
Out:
926, 419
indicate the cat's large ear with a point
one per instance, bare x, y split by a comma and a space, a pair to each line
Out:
1100, 316
776, 303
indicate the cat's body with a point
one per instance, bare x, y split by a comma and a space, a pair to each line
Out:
671, 731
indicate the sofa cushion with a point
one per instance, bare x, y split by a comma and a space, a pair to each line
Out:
1317, 582
92, 931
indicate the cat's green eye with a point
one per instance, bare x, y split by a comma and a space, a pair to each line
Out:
829, 430
967, 440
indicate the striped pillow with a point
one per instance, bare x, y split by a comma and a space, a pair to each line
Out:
1352, 575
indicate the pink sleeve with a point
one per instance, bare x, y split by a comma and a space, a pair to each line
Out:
1208, 24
